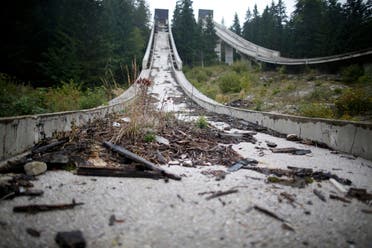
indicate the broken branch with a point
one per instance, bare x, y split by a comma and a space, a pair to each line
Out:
35, 208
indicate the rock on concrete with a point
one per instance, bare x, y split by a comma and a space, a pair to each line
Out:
35, 168
292, 137
72, 239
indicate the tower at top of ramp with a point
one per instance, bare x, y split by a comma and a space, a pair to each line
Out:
161, 17
203, 14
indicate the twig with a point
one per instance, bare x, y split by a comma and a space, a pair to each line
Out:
33, 209
144, 162
221, 193
336, 197
6, 196
320, 195
268, 212
117, 172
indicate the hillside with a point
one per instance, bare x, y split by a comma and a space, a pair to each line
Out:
346, 95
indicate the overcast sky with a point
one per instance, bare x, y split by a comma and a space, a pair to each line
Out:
221, 8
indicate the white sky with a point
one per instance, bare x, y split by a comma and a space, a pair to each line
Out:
221, 8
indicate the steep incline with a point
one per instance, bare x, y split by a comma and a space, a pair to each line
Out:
137, 212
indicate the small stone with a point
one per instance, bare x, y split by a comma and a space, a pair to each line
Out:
5, 180
162, 140
33, 232
35, 168
175, 162
116, 124
227, 128
271, 144
188, 163
72, 239
126, 119
292, 137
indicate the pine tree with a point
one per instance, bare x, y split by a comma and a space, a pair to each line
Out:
307, 21
185, 29
210, 40
236, 25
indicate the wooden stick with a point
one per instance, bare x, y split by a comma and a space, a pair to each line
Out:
147, 164
117, 172
35, 208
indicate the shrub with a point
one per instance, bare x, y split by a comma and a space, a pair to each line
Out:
223, 98
318, 110
282, 69
351, 73
258, 104
93, 98
318, 94
229, 82
65, 97
149, 137
353, 102
200, 75
19, 99
201, 122
275, 91
239, 66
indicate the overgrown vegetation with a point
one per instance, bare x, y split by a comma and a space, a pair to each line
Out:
308, 94
144, 121
201, 122
70, 53
22, 99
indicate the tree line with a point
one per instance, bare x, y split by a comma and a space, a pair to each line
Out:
46, 42
195, 41
315, 28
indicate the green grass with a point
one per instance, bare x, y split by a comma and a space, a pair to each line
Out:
201, 122
347, 96
17, 98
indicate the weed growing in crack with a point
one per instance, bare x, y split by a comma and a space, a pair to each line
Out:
201, 122
143, 117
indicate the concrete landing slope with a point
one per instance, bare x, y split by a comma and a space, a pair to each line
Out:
272, 56
20, 133
345, 136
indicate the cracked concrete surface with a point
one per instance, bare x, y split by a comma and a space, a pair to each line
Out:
174, 214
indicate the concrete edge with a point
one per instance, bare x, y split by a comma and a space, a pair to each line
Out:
345, 136
20, 133
175, 52
146, 57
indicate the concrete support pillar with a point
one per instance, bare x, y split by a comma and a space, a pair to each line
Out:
218, 50
229, 55
245, 59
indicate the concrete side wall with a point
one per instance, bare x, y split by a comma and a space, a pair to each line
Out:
21, 133
174, 49
147, 57
349, 137
18, 134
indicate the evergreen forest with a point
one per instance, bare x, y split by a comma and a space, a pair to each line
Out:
49, 42
315, 28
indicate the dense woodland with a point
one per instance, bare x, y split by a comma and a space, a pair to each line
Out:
315, 28
47, 42
194, 40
